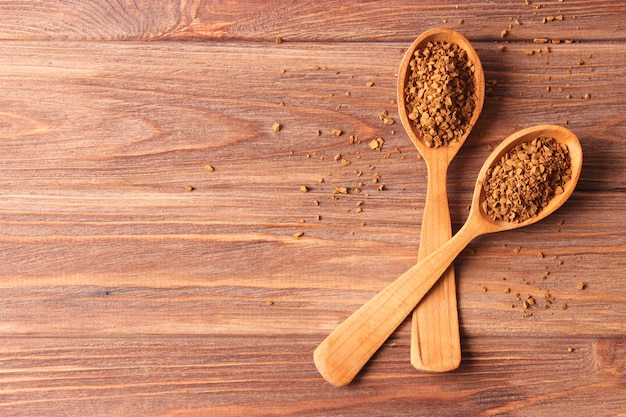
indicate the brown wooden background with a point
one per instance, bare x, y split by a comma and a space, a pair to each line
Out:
124, 294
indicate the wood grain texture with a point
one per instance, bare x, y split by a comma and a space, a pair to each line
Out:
309, 20
260, 375
121, 293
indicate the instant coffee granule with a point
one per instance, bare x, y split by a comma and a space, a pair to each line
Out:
525, 179
440, 93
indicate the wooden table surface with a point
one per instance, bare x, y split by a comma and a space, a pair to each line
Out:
134, 281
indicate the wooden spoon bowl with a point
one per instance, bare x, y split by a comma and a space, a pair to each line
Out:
348, 348
563, 136
449, 36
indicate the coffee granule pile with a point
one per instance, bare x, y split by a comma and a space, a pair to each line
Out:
525, 179
440, 93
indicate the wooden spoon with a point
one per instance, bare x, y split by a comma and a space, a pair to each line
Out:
348, 348
435, 339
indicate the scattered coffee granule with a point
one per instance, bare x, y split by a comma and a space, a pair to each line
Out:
279, 40
581, 286
525, 179
517, 249
276, 127
369, 84
304, 189
387, 120
377, 144
298, 234
440, 92
189, 188
336, 132
269, 302
209, 168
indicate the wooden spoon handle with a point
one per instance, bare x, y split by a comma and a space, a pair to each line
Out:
435, 339
348, 348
